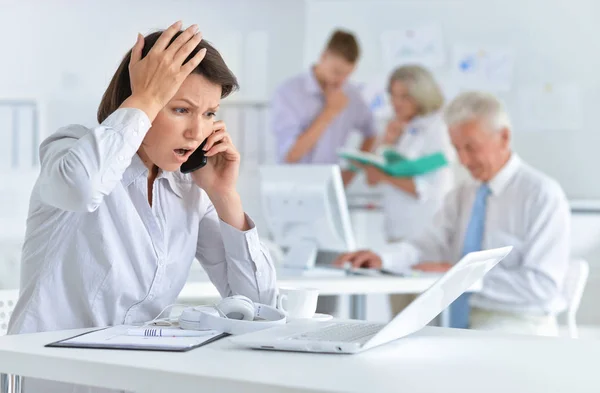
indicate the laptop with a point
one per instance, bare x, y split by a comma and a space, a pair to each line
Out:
352, 336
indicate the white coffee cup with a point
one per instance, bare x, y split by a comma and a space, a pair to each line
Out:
298, 302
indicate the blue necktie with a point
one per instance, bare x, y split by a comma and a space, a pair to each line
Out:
459, 310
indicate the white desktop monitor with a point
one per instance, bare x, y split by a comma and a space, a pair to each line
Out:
306, 211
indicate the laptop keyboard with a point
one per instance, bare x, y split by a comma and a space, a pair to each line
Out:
341, 332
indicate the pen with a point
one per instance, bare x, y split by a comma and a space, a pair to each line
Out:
149, 332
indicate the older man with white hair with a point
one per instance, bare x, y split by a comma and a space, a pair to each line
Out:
507, 202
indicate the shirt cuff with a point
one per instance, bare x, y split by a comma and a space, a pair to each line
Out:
244, 245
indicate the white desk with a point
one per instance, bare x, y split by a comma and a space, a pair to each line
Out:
433, 360
346, 285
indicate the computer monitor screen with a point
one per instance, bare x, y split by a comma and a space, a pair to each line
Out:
306, 211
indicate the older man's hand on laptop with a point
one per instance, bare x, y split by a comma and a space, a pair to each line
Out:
433, 267
359, 259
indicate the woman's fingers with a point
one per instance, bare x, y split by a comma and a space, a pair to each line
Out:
184, 51
219, 133
213, 139
193, 63
165, 38
180, 41
136, 51
217, 139
156, 78
219, 148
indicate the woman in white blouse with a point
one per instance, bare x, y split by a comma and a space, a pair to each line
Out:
114, 225
417, 130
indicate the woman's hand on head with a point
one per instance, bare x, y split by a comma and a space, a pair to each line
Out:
219, 177
157, 77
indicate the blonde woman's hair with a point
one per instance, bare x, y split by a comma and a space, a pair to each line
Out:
421, 86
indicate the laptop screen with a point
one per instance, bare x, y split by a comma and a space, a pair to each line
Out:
440, 295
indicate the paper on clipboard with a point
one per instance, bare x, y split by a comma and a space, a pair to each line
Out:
116, 338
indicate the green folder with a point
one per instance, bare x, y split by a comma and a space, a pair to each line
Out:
392, 156
419, 166
396, 165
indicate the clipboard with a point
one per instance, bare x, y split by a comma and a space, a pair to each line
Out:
116, 337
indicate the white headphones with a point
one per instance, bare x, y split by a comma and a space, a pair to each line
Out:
234, 315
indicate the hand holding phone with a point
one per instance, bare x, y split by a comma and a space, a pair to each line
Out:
219, 177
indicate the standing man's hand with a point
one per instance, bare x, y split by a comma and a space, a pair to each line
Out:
335, 100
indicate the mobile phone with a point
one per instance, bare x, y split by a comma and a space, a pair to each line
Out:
196, 161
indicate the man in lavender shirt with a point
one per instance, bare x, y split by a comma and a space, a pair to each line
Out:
314, 113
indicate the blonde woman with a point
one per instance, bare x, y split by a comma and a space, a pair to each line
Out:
417, 131
416, 134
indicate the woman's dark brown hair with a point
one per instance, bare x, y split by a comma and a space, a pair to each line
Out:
212, 67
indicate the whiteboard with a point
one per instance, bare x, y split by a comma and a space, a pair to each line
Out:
554, 43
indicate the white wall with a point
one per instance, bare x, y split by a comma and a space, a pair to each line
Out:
64, 52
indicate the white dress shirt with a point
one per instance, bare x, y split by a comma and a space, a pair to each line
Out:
527, 210
405, 214
96, 253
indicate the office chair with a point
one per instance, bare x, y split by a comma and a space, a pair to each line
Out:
8, 300
575, 283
